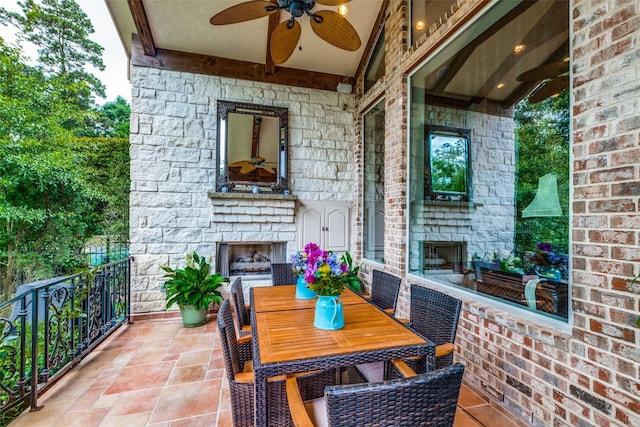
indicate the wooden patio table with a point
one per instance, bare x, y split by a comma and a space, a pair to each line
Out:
286, 342
278, 298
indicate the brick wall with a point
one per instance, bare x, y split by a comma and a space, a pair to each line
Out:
588, 374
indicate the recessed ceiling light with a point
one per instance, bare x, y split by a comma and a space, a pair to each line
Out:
566, 59
420, 25
500, 85
519, 48
343, 10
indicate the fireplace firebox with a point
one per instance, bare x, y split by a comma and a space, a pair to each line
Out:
249, 259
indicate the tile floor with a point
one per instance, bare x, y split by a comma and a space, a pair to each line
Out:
156, 373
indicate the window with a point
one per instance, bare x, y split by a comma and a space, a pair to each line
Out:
373, 206
489, 160
375, 67
426, 13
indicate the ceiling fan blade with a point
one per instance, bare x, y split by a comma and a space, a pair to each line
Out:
544, 72
332, 2
283, 41
549, 88
336, 30
247, 168
242, 12
239, 163
269, 169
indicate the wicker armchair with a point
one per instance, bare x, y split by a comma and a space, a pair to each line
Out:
384, 291
434, 315
282, 274
237, 353
384, 295
428, 399
241, 310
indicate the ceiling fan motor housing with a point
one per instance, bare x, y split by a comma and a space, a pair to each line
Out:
297, 8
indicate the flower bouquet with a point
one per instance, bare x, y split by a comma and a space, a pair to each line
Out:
323, 272
326, 275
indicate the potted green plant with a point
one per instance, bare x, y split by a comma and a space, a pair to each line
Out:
193, 289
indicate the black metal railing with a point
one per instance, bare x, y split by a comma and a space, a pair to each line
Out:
51, 325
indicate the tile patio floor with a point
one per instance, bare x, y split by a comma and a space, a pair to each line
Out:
156, 373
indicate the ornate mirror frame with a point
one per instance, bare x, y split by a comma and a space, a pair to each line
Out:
252, 172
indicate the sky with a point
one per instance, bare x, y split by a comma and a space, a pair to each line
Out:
114, 76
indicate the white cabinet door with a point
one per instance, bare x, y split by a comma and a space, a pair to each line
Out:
327, 224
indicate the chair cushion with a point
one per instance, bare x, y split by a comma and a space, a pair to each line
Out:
317, 410
373, 372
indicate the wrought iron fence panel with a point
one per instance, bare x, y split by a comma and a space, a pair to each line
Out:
52, 326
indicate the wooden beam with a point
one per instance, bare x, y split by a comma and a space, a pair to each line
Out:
274, 19
524, 88
142, 26
216, 66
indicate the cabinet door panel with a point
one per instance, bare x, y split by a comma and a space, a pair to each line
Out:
337, 229
311, 227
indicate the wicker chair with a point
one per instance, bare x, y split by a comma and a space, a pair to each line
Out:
428, 399
282, 274
243, 323
237, 353
384, 291
384, 295
434, 315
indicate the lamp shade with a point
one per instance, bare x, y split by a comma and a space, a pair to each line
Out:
546, 202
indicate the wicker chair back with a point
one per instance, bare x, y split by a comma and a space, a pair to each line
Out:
242, 314
384, 289
282, 274
429, 399
434, 315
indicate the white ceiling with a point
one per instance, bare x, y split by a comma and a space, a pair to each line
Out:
183, 25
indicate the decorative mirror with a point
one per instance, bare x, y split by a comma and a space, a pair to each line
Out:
448, 177
252, 148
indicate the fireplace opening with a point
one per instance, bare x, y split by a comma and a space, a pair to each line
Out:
249, 258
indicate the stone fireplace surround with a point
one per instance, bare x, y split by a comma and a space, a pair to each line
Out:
252, 221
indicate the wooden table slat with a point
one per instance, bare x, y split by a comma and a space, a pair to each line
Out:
290, 335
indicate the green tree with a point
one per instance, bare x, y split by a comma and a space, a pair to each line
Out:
113, 119
60, 30
56, 190
542, 135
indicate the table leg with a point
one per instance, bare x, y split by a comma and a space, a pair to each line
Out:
260, 399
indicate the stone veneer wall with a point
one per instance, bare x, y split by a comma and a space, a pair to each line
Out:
173, 149
487, 223
587, 375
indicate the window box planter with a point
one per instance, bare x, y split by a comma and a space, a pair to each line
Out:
550, 296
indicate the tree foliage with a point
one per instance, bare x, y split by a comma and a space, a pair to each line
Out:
542, 134
60, 30
57, 189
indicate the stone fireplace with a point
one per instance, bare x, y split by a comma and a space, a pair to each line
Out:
251, 260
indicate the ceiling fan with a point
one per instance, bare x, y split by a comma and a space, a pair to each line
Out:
554, 78
248, 166
327, 24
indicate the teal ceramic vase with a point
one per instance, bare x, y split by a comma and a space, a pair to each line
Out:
329, 315
302, 292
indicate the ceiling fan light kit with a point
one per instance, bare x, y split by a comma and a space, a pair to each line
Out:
329, 25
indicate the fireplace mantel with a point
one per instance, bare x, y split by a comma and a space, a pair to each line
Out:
213, 195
